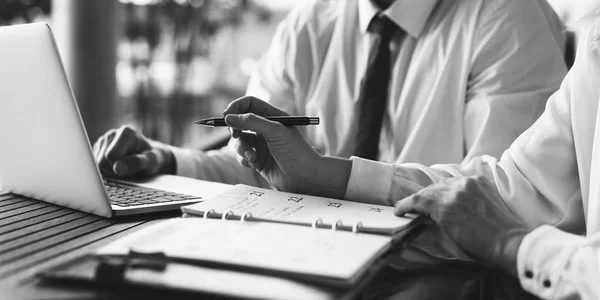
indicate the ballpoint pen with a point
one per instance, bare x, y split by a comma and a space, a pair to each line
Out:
285, 120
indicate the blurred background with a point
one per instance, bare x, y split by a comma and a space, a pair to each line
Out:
156, 65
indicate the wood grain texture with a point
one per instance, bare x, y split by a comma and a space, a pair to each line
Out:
30, 218
17, 211
16, 202
35, 235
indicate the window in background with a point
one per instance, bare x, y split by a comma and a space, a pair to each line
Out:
24, 11
184, 60
178, 60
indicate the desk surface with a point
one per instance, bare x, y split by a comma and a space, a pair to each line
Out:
35, 235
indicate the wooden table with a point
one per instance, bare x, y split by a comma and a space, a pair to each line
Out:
35, 235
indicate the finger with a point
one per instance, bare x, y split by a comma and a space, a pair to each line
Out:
97, 149
243, 161
121, 145
100, 145
235, 133
244, 146
252, 122
262, 154
103, 164
415, 203
145, 163
250, 104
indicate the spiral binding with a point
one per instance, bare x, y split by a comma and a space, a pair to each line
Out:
207, 213
337, 224
317, 223
245, 215
225, 215
356, 227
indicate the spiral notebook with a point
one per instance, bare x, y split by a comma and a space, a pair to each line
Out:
312, 239
248, 203
327, 257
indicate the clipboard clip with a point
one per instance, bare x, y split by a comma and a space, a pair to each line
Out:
111, 269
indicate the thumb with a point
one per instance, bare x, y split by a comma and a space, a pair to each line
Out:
268, 129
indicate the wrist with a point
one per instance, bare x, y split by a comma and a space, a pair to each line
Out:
329, 177
169, 165
166, 158
507, 259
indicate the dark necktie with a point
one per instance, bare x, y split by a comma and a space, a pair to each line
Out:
374, 89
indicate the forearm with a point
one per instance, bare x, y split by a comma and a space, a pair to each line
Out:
216, 165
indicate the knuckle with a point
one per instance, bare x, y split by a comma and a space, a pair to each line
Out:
126, 130
253, 117
278, 127
479, 178
459, 196
415, 199
472, 182
153, 157
464, 182
242, 161
249, 117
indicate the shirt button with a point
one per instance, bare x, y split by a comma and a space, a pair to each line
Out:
529, 274
547, 283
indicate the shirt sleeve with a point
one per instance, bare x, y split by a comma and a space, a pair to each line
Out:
284, 70
275, 81
216, 165
517, 63
537, 176
553, 264
272, 81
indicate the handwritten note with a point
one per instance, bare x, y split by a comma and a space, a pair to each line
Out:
302, 209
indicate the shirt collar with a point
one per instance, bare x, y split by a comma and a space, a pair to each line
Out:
410, 15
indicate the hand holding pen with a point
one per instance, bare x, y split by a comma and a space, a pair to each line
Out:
285, 120
279, 152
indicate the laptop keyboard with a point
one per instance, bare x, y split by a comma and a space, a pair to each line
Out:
124, 195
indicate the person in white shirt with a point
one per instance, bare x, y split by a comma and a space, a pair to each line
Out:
497, 211
467, 77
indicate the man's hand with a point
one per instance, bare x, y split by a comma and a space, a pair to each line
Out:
125, 152
471, 211
281, 154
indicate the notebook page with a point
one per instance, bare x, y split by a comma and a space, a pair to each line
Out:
286, 248
281, 206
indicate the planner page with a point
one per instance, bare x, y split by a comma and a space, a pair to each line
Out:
336, 257
265, 204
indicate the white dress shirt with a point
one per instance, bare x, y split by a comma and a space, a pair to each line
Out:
467, 78
549, 175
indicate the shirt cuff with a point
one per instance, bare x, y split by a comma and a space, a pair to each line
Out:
370, 181
184, 159
543, 257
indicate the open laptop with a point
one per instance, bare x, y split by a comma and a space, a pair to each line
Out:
45, 153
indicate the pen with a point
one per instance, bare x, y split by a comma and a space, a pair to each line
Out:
287, 121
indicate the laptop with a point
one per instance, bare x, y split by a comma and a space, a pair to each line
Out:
45, 152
